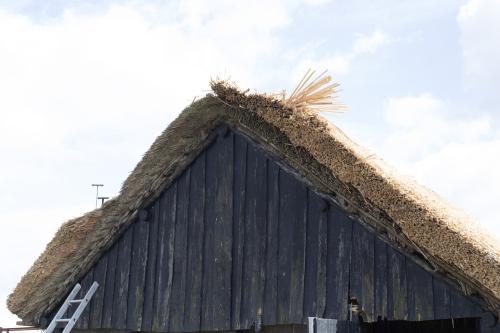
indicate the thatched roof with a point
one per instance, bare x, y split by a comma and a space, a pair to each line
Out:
395, 206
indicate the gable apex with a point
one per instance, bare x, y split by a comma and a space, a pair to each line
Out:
317, 150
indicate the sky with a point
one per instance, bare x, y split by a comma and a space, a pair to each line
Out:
86, 86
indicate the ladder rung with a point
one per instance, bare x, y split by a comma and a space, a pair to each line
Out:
69, 323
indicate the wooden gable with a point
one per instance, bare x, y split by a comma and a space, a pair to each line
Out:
240, 237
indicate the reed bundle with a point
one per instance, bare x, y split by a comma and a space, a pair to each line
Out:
317, 94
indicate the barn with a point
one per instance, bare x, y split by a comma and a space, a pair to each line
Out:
246, 214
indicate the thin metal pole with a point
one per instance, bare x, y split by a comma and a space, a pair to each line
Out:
97, 193
102, 199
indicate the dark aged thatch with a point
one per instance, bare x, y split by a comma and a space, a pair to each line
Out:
412, 216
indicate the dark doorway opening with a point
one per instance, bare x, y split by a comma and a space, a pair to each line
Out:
456, 325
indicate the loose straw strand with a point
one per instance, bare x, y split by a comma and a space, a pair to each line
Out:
318, 94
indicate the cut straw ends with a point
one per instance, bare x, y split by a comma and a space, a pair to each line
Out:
317, 94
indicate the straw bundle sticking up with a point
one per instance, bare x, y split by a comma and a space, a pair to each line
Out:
318, 94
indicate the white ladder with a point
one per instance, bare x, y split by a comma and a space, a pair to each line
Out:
82, 303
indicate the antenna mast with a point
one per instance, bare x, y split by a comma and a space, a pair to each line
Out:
97, 193
102, 199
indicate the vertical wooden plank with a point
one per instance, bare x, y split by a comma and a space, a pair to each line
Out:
396, 288
137, 275
86, 282
119, 316
362, 282
420, 294
380, 279
177, 300
150, 282
441, 295
240, 162
98, 299
298, 253
410, 291
165, 259
195, 245
208, 242
107, 310
223, 231
292, 220
271, 283
316, 214
255, 238
488, 322
322, 259
339, 238
461, 306
284, 250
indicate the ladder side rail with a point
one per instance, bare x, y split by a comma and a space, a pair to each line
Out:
79, 310
63, 308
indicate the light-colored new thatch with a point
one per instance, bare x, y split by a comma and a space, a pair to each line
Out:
318, 150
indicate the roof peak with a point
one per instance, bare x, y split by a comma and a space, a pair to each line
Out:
315, 148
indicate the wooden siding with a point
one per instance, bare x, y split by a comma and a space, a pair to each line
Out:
240, 235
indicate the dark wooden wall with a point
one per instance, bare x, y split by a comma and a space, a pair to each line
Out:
238, 234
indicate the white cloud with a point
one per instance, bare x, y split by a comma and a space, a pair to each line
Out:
424, 124
85, 93
369, 44
317, 2
24, 235
75, 87
340, 63
479, 22
455, 156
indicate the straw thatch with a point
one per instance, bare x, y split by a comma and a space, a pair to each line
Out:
411, 215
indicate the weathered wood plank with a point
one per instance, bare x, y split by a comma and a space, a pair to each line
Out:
119, 317
461, 306
441, 296
380, 279
299, 202
271, 283
255, 240
239, 244
98, 299
178, 298
420, 293
291, 252
195, 245
107, 309
314, 218
284, 250
150, 282
137, 275
165, 259
239, 193
86, 282
223, 231
208, 251
322, 259
488, 323
362, 282
397, 286
339, 238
